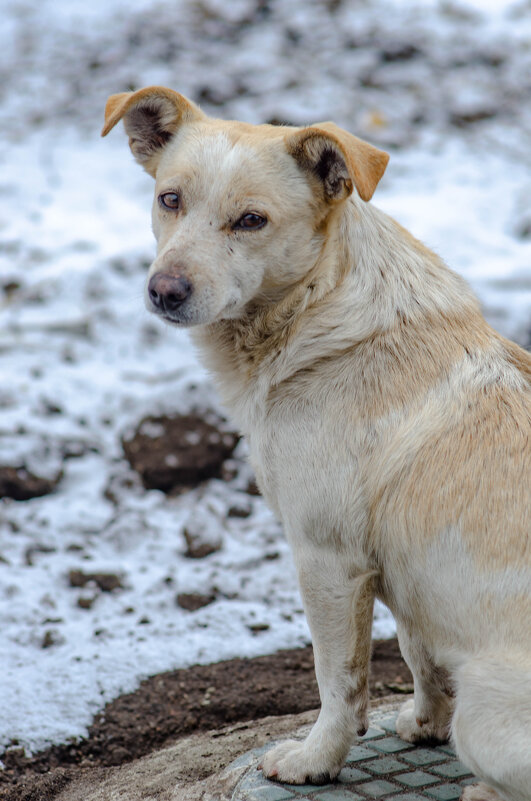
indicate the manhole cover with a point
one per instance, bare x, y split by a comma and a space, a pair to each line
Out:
379, 766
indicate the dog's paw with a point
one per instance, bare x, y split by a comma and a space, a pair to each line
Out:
479, 792
294, 762
416, 731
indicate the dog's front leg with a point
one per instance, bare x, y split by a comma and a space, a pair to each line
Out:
339, 608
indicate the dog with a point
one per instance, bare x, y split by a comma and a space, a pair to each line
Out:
388, 425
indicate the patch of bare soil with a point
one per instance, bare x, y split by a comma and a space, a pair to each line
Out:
173, 452
170, 705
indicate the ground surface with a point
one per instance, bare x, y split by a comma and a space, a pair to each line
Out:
171, 705
105, 580
379, 765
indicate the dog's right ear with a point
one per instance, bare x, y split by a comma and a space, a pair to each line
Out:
337, 161
151, 117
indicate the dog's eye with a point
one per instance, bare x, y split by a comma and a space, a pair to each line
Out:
250, 222
169, 200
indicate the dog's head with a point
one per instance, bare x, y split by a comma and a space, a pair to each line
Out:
240, 210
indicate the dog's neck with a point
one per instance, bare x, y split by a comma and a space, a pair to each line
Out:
371, 276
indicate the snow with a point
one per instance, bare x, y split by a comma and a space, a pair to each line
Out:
82, 362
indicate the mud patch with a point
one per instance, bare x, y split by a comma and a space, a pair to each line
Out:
174, 452
20, 484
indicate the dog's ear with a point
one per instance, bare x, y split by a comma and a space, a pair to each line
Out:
151, 117
338, 159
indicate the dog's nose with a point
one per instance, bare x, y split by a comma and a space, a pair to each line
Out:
168, 292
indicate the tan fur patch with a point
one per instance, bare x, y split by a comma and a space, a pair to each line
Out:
450, 474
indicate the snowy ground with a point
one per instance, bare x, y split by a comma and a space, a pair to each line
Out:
445, 87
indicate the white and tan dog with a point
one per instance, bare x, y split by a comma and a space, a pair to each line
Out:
389, 426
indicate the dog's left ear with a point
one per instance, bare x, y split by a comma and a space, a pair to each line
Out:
151, 117
338, 160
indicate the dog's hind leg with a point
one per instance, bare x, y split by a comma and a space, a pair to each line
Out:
339, 610
491, 727
427, 716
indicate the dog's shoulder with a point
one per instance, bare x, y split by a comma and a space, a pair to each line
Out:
518, 358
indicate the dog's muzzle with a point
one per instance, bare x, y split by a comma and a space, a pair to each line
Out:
168, 292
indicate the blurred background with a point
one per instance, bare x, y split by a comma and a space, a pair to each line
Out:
118, 559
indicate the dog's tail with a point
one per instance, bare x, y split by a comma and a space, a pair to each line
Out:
491, 727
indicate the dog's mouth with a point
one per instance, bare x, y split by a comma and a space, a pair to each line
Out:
183, 317
170, 318
181, 304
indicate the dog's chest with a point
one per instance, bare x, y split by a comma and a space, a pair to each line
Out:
305, 466
307, 440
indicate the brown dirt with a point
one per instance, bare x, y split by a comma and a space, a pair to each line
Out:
173, 452
170, 705
21, 485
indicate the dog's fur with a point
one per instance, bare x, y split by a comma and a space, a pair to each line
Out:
388, 424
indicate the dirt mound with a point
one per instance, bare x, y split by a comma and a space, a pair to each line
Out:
178, 451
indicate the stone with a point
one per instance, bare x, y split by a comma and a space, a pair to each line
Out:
389, 724
371, 733
191, 601
20, 484
170, 453
445, 792
417, 778
357, 753
406, 797
378, 788
270, 793
348, 775
452, 770
384, 765
390, 745
423, 756
201, 536
107, 582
